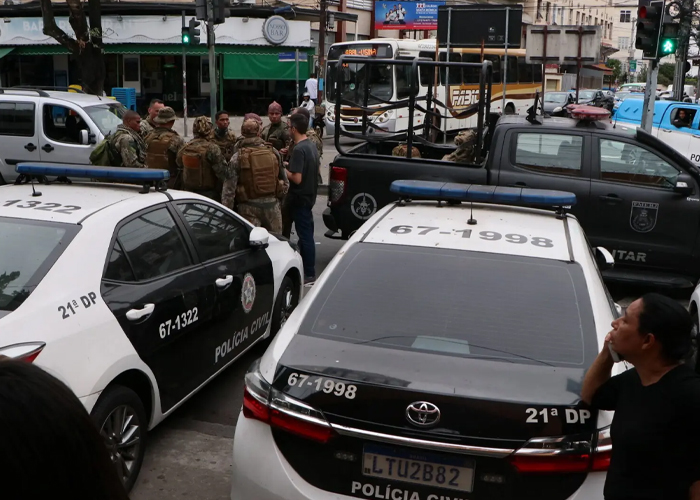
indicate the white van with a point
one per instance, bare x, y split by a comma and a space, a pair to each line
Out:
52, 126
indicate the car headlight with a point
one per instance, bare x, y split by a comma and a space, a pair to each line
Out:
557, 109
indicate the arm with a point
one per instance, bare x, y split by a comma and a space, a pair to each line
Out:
127, 150
296, 166
218, 162
598, 374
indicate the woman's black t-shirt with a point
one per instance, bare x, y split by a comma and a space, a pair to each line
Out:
655, 435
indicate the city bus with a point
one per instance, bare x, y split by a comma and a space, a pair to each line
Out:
391, 83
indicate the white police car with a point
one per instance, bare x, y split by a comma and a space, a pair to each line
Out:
135, 300
439, 356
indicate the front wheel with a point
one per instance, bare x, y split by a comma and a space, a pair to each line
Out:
287, 301
121, 419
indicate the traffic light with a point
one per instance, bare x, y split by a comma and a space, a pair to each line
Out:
669, 34
220, 11
194, 31
185, 36
648, 27
201, 9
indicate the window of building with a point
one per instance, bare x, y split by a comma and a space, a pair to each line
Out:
552, 153
623, 42
578, 18
546, 12
625, 16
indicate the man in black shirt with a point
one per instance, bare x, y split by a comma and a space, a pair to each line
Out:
656, 427
301, 173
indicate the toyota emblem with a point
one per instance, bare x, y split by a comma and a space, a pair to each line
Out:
423, 414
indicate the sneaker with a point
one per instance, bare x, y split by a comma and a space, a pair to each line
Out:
309, 280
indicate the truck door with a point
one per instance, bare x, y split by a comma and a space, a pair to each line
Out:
694, 147
639, 217
541, 159
678, 137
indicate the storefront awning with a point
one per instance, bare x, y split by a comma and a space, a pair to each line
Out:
5, 50
268, 63
600, 67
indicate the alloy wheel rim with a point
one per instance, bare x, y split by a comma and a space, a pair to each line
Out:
122, 433
287, 305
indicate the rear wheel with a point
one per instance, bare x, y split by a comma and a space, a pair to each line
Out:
693, 361
121, 419
287, 301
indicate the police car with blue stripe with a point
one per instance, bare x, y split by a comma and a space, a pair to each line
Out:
135, 298
675, 123
439, 356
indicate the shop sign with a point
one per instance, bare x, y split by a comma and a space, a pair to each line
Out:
275, 30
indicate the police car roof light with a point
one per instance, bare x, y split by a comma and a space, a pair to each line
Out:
93, 172
433, 190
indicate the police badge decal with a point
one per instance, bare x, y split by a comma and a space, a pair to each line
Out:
248, 292
643, 216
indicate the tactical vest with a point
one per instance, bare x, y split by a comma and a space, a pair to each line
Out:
158, 156
197, 173
259, 173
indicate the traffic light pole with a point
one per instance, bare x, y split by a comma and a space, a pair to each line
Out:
682, 50
211, 39
184, 81
650, 95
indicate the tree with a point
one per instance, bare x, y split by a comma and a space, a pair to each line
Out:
666, 73
616, 67
87, 46
642, 75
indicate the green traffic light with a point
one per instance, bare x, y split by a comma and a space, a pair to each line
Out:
668, 46
186, 38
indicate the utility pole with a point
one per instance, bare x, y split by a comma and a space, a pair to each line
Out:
631, 49
686, 17
322, 51
184, 81
650, 95
211, 39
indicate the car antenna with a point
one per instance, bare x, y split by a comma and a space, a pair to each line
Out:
34, 192
472, 220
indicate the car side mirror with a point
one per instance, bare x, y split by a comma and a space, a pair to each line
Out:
259, 238
84, 137
684, 185
604, 258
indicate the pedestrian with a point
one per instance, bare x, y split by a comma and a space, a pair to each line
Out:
655, 430
309, 105
301, 173
202, 163
223, 137
277, 132
163, 144
50, 445
127, 145
256, 180
149, 123
311, 86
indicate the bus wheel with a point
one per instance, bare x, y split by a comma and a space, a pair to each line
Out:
510, 110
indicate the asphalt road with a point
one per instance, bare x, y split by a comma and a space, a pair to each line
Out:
189, 454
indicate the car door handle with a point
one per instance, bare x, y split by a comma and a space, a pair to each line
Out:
666, 131
137, 314
48, 148
610, 198
520, 184
224, 282
30, 147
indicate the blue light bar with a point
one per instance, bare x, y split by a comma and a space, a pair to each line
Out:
93, 172
433, 190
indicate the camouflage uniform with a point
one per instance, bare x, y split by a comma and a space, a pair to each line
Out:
466, 148
226, 142
277, 134
147, 127
162, 146
213, 164
129, 148
402, 149
262, 211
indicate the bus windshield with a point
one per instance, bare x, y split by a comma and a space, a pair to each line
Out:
357, 78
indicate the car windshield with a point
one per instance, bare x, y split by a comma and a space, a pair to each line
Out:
28, 249
107, 116
458, 303
621, 95
555, 97
586, 94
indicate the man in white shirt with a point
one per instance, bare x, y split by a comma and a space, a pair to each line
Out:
312, 88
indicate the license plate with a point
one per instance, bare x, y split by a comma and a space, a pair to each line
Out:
427, 469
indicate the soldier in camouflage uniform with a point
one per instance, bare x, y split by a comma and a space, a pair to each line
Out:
149, 123
256, 180
287, 154
127, 144
202, 163
223, 137
466, 148
277, 132
163, 144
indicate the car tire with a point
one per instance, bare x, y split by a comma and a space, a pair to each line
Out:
693, 357
115, 406
287, 301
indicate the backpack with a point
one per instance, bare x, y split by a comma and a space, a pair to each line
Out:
102, 155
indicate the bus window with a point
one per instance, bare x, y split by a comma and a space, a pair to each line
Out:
512, 69
524, 71
427, 75
496, 60
537, 73
455, 73
403, 81
470, 76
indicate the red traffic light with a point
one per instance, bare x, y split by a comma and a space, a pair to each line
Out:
642, 12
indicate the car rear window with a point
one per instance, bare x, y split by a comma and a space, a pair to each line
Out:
28, 250
458, 303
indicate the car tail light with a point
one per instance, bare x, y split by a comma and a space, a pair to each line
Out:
24, 352
566, 454
262, 402
337, 184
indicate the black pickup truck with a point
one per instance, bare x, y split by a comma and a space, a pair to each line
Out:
636, 196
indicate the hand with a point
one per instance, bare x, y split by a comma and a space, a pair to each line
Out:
286, 164
284, 151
